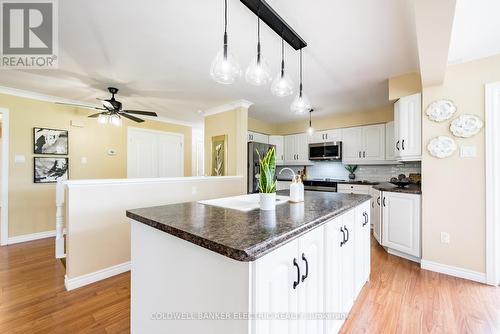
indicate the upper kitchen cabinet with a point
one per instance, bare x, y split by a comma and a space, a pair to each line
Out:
363, 144
296, 149
326, 136
389, 142
258, 137
408, 128
279, 142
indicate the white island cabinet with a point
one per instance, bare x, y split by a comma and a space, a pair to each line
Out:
312, 281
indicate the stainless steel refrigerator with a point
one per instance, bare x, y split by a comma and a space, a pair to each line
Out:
253, 164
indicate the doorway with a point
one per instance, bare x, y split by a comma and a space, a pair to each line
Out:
4, 177
152, 153
492, 121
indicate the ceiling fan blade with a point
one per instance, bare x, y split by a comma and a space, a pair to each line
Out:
108, 105
133, 118
80, 105
141, 112
95, 115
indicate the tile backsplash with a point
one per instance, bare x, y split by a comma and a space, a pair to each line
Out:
336, 170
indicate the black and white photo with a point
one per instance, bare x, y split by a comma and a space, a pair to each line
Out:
49, 170
50, 141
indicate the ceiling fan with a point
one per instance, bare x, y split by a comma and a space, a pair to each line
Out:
112, 110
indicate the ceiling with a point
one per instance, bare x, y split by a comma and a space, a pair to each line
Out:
475, 31
159, 54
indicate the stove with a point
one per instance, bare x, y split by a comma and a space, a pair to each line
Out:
324, 184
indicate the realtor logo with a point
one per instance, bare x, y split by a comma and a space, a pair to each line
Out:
29, 34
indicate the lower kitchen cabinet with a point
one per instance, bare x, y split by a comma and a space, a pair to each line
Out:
360, 189
361, 247
376, 215
401, 222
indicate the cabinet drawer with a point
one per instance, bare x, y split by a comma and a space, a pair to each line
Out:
353, 188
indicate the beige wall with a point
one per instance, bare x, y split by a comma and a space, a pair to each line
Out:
404, 85
100, 238
454, 188
234, 124
32, 207
257, 125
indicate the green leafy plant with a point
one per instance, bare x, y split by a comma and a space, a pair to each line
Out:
267, 164
351, 168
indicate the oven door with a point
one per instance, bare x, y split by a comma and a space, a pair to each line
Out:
325, 151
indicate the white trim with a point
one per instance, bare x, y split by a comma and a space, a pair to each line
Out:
492, 122
453, 271
4, 179
228, 106
79, 281
185, 179
30, 237
403, 255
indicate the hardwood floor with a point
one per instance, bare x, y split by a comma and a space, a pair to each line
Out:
400, 298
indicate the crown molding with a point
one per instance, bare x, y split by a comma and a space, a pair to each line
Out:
228, 106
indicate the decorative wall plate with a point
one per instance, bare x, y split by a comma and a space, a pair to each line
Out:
466, 126
442, 147
441, 110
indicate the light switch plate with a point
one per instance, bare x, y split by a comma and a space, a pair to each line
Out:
19, 159
468, 151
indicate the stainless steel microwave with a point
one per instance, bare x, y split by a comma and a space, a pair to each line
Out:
326, 151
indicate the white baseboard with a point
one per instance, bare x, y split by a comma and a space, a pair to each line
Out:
453, 271
76, 282
403, 255
30, 237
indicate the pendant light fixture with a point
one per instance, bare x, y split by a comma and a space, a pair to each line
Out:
257, 72
301, 103
282, 84
225, 69
310, 130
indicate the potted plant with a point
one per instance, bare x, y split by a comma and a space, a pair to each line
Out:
267, 182
351, 169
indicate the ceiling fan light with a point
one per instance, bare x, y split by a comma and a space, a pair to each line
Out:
282, 85
300, 104
115, 120
103, 119
225, 70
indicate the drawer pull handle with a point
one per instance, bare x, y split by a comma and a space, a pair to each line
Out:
297, 282
307, 267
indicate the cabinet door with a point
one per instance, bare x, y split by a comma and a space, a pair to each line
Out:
389, 142
399, 123
374, 142
411, 136
302, 147
361, 247
333, 135
290, 148
260, 138
401, 222
318, 137
333, 275
311, 288
375, 216
278, 141
347, 262
275, 274
351, 144
250, 136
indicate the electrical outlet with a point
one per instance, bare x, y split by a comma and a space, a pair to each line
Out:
445, 237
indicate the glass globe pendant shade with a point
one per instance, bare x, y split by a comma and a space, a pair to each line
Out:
102, 119
310, 131
282, 85
257, 73
300, 104
225, 70
115, 120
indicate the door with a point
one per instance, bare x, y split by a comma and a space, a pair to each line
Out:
361, 246
154, 154
398, 124
302, 147
333, 275
275, 274
347, 261
376, 215
374, 142
258, 137
278, 141
290, 148
351, 145
389, 141
401, 222
411, 136
318, 137
311, 288
334, 135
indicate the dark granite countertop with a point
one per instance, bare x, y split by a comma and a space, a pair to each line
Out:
246, 236
359, 182
411, 189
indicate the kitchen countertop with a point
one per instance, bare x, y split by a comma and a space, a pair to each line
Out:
411, 189
358, 182
246, 236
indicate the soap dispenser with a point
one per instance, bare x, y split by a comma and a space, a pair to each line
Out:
296, 188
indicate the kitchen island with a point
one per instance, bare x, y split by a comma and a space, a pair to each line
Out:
198, 268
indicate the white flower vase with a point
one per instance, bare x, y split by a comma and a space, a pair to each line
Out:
267, 201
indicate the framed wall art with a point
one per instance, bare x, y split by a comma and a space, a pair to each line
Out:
50, 141
50, 170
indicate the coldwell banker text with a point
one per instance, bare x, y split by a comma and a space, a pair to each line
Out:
29, 34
